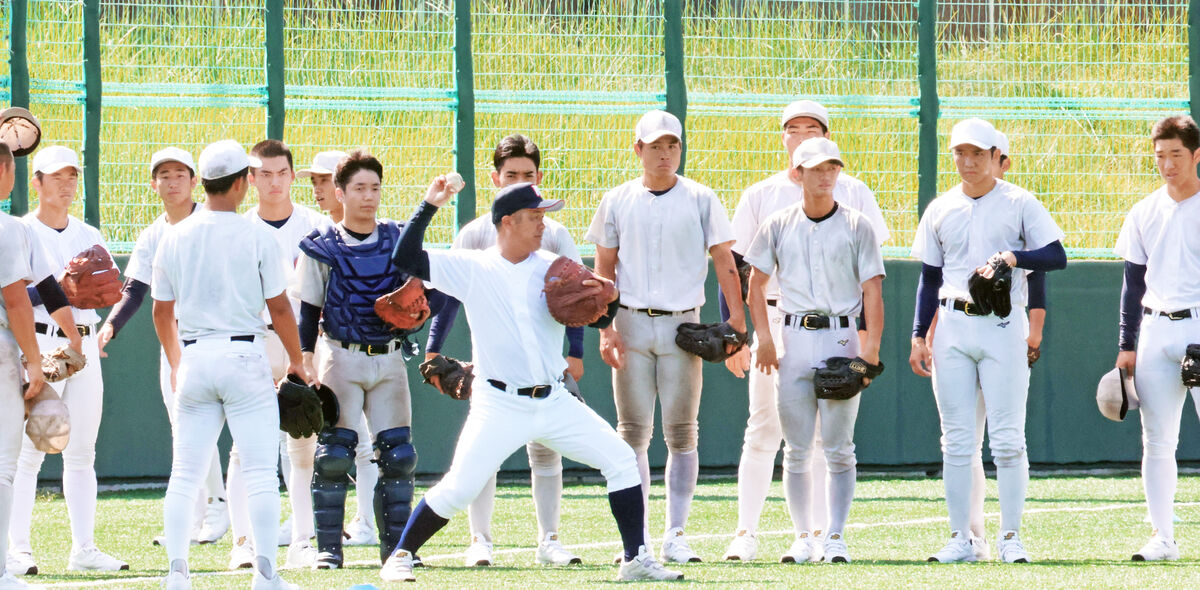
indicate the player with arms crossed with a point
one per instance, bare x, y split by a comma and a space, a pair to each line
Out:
215, 271
982, 227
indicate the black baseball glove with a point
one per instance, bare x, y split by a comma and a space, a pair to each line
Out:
300, 410
1190, 368
993, 295
842, 378
450, 376
711, 342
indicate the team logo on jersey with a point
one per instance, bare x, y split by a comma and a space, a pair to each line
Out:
1004, 324
843, 341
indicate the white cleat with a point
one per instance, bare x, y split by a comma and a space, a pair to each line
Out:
359, 532
835, 549
1010, 548
743, 547
1158, 549
11, 582
275, 582
983, 552
285, 533
90, 558
675, 548
242, 554
177, 581
479, 553
801, 550
216, 522
20, 563
957, 550
551, 552
645, 567
301, 554
398, 567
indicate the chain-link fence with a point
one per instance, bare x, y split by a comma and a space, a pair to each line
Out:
433, 85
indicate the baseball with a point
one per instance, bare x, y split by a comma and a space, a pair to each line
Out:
454, 182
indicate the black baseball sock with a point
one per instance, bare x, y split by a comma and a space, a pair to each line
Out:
422, 525
630, 512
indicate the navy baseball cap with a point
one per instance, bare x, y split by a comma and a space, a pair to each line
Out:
523, 195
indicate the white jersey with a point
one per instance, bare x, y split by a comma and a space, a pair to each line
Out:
1164, 236
141, 261
821, 264
663, 241
778, 192
301, 223
220, 269
480, 234
513, 336
17, 251
60, 248
959, 233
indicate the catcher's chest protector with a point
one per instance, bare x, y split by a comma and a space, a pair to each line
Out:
359, 275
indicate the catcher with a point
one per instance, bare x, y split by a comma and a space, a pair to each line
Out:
830, 271
345, 283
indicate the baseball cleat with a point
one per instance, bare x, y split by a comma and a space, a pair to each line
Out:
241, 556
359, 532
177, 581
275, 582
801, 550
285, 533
835, 549
479, 553
675, 548
983, 552
91, 558
957, 550
1010, 548
301, 554
743, 547
11, 582
20, 563
398, 567
1158, 549
216, 522
645, 567
551, 552
327, 561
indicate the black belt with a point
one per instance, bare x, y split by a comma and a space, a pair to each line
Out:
48, 330
773, 302
812, 321
964, 306
654, 313
370, 349
238, 338
535, 392
1182, 314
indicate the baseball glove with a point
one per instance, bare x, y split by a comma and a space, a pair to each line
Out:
453, 376
711, 342
571, 302
842, 378
62, 362
92, 281
300, 411
330, 409
1033, 354
744, 277
993, 295
1190, 368
405, 308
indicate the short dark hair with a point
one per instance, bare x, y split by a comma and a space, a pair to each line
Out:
516, 146
351, 164
272, 148
220, 186
1181, 127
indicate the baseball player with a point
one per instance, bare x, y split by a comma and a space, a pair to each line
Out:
320, 173
976, 350
62, 236
653, 236
173, 177
1160, 311
518, 393
829, 269
215, 271
518, 159
801, 120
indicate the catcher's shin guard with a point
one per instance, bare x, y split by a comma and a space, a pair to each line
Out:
331, 468
397, 460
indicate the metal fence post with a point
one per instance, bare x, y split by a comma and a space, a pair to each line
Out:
464, 112
676, 82
18, 68
91, 112
1193, 58
927, 138
276, 112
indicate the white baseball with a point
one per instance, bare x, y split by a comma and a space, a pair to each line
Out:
454, 182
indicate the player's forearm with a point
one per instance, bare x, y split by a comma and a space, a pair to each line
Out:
409, 256
1133, 288
606, 262
163, 313
1037, 323
730, 283
1052, 256
873, 314
310, 326
284, 323
20, 319
1037, 290
927, 299
757, 300
49, 294
575, 342
132, 296
65, 319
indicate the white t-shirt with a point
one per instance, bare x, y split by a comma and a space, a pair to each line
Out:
663, 241
480, 234
219, 268
1164, 236
301, 223
16, 251
959, 234
60, 248
513, 336
820, 266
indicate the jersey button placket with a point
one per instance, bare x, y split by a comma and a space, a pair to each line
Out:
654, 280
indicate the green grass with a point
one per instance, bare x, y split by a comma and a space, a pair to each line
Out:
1080, 531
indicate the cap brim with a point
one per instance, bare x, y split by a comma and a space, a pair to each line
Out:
656, 135
51, 169
155, 165
549, 205
314, 171
253, 161
814, 162
814, 116
975, 142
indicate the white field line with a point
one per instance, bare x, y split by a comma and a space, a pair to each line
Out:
617, 544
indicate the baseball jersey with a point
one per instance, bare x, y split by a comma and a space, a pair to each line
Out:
663, 241
14, 264
301, 222
60, 248
219, 268
480, 234
1164, 236
513, 336
821, 264
959, 234
141, 261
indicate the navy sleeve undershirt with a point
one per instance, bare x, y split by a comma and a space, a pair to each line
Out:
1052, 256
409, 256
927, 291
48, 293
738, 261
310, 318
1037, 290
1133, 288
132, 295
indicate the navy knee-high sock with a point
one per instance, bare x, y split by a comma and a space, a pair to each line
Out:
630, 511
422, 524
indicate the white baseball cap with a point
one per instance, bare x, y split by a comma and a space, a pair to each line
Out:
223, 158
1001, 143
656, 124
53, 158
976, 132
322, 163
805, 108
1116, 395
815, 151
172, 154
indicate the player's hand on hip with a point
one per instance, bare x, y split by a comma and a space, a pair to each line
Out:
102, 338
739, 363
764, 358
575, 368
612, 347
36, 379
920, 359
1127, 359
443, 188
